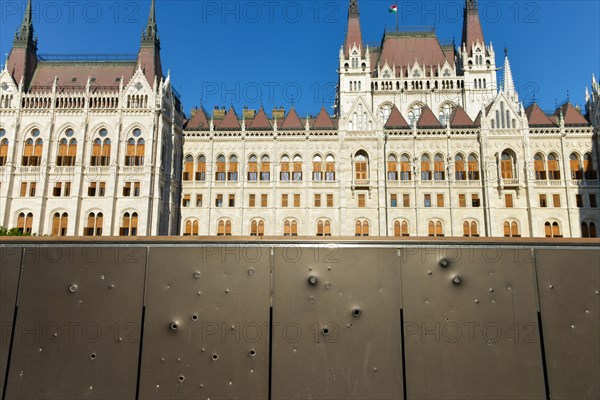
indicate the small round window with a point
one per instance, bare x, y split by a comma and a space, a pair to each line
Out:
35, 133
137, 133
2, 132
103, 132
69, 132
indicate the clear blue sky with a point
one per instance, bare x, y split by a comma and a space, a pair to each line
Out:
219, 51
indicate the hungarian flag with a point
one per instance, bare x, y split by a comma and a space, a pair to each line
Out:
393, 8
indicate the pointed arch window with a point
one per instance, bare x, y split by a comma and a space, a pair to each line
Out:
25, 223
405, 168
392, 168
94, 224
539, 166
129, 224
361, 162
576, 171
507, 166
188, 168
100, 153
459, 168
552, 229
588, 229
265, 168
60, 223
511, 229
317, 173
589, 171
252, 168
435, 228
67, 153
220, 174
425, 167
470, 229
191, 228
32, 152
330, 168
290, 227
323, 227
297, 169
257, 228
3, 152
473, 168
135, 153
201, 168
439, 173
224, 228
284, 169
553, 167
232, 169
361, 228
401, 229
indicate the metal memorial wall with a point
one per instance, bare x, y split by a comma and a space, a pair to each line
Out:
278, 319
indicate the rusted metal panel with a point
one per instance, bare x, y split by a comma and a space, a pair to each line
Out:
10, 265
569, 290
78, 324
206, 323
471, 323
336, 324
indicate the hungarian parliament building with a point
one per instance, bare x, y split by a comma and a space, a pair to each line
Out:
425, 139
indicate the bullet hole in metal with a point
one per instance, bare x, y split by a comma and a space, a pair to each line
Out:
311, 300
91, 388
226, 290
375, 369
572, 326
120, 339
251, 371
174, 326
102, 277
111, 286
491, 290
162, 360
194, 317
328, 268
179, 360
199, 293
73, 288
456, 280
93, 356
312, 280
55, 334
444, 262
587, 311
325, 331
429, 272
356, 312
215, 357
230, 383
197, 275
309, 269
251, 271
349, 326
551, 286
252, 353
202, 385
597, 292
476, 301
328, 285
181, 378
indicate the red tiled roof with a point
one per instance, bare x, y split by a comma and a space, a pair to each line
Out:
477, 121
260, 121
460, 119
536, 117
571, 116
428, 119
75, 74
292, 121
230, 122
404, 49
199, 121
472, 32
396, 120
323, 121
353, 35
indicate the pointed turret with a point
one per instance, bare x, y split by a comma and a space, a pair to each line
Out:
472, 32
149, 55
508, 83
22, 60
353, 34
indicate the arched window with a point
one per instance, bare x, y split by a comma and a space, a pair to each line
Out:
201, 169
100, 153
435, 228
129, 224
414, 114
511, 229
140, 151
392, 168
507, 165
317, 174
188, 168
323, 227
470, 229
191, 228
361, 228
444, 114
284, 169
439, 169
257, 228
459, 168
553, 170
94, 225
588, 229
552, 229
3, 152
32, 152
224, 228
297, 169
220, 170
265, 168
540, 167
401, 229
252, 168
589, 171
576, 171
425, 167
25, 223
290, 227
330, 168
405, 169
473, 168
384, 111
232, 169
361, 163
60, 223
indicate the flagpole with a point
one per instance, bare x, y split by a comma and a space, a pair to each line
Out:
397, 15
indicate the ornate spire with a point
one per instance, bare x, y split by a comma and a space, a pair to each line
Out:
353, 34
151, 32
472, 32
508, 83
353, 9
24, 34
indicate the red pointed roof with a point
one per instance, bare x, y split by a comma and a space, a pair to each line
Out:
396, 120
199, 121
428, 119
472, 32
260, 121
230, 122
323, 121
460, 119
404, 48
292, 121
353, 34
477, 121
571, 116
536, 117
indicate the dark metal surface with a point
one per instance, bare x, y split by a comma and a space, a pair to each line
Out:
78, 325
206, 323
471, 323
10, 265
360, 354
569, 289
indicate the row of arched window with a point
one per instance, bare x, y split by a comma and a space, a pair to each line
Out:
67, 150
94, 224
548, 167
